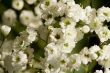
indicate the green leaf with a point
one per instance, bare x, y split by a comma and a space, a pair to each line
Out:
19, 27
81, 70
39, 48
86, 68
80, 45
2, 8
80, 24
89, 67
97, 3
83, 3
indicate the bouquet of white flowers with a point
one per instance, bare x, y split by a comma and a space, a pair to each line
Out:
54, 36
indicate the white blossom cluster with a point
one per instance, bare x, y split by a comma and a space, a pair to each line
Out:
57, 23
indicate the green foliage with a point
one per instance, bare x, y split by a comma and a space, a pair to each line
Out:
38, 48
97, 3
84, 3
93, 3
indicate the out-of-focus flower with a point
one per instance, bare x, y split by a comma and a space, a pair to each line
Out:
5, 29
26, 17
9, 17
18, 4
30, 1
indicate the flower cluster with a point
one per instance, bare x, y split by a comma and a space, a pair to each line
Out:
45, 38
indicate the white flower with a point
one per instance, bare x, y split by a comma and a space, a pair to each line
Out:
52, 64
107, 70
32, 35
9, 17
67, 46
90, 15
75, 61
93, 51
49, 2
38, 11
63, 61
52, 49
99, 71
56, 35
67, 21
17, 4
25, 39
49, 21
57, 9
104, 52
19, 43
5, 29
104, 14
30, 1
19, 59
64, 38
103, 33
52, 70
85, 29
85, 57
70, 2
80, 34
104, 58
26, 17
70, 32
69, 39
35, 23
105, 63
76, 13
95, 24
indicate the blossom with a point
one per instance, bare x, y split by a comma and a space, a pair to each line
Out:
9, 17
19, 60
26, 38
18, 4
32, 35
80, 34
57, 9
74, 61
30, 1
104, 14
103, 33
95, 24
99, 71
76, 13
107, 70
90, 15
26, 17
104, 58
85, 29
5, 29
56, 35
35, 23
93, 51
52, 50
38, 11
85, 57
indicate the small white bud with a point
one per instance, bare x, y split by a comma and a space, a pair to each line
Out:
85, 29
17, 4
5, 29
